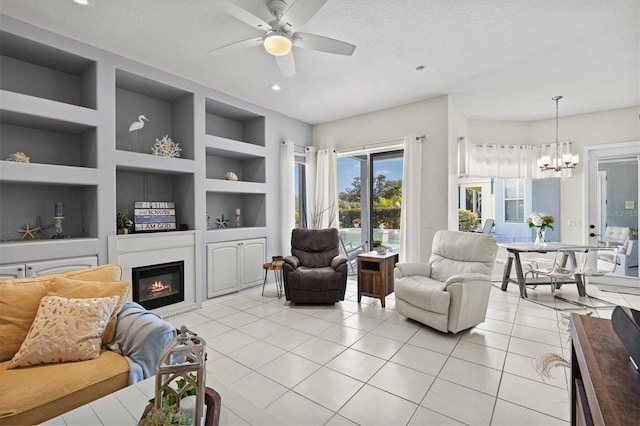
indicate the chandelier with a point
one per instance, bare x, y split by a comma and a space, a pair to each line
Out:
557, 157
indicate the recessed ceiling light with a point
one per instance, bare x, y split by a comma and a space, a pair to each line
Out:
82, 2
275, 87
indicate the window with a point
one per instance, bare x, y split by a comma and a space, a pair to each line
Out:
300, 195
514, 194
473, 200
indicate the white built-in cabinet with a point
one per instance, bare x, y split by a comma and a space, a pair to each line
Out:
35, 269
68, 106
234, 265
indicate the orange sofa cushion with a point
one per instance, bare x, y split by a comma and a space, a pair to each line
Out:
33, 395
20, 298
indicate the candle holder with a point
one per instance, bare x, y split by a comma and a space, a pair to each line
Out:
58, 227
181, 376
237, 219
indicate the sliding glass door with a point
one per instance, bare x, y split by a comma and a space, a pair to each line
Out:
370, 194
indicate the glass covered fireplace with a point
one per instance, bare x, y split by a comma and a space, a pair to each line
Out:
158, 285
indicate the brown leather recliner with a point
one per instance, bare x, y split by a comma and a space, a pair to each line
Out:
315, 272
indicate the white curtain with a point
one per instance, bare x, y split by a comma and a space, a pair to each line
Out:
502, 161
310, 161
410, 218
287, 193
325, 212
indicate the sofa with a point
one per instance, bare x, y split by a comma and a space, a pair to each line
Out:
451, 292
315, 272
70, 338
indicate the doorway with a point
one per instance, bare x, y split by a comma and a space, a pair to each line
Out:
612, 201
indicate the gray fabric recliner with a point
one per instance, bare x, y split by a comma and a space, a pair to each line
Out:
451, 292
315, 272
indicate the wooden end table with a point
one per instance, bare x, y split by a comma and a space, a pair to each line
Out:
375, 275
276, 267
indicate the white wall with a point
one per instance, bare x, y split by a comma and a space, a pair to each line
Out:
429, 118
604, 127
442, 123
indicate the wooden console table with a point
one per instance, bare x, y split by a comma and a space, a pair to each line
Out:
375, 275
605, 387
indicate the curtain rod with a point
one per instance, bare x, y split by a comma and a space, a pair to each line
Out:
374, 144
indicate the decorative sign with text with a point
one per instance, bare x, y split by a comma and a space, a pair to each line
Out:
154, 216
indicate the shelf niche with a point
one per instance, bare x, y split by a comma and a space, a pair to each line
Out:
22, 204
226, 121
252, 208
248, 168
35, 69
48, 141
169, 110
133, 185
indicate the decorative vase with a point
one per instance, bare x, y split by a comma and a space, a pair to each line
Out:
540, 237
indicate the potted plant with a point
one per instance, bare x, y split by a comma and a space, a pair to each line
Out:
167, 415
123, 222
541, 222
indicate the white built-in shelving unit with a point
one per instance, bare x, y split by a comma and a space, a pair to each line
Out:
68, 106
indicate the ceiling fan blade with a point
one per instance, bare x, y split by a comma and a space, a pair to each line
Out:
323, 44
300, 12
244, 15
286, 64
239, 45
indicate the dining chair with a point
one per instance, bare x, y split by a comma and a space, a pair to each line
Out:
596, 262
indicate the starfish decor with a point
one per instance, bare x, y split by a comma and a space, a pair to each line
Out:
30, 233
34, 233
222, 222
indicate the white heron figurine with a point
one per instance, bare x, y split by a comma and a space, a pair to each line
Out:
134, 127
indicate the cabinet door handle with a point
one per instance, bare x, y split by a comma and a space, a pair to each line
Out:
29, 268
20, 268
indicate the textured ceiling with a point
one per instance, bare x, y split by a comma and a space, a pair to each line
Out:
498, 59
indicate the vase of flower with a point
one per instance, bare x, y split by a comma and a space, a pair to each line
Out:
540, 222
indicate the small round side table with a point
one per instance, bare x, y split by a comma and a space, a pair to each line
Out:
276, 267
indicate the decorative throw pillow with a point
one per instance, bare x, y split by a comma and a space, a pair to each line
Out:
79, 289
20, 298
65, 330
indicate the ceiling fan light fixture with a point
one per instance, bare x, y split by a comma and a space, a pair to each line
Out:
277, 44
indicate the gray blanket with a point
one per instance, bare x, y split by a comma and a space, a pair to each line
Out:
141, 336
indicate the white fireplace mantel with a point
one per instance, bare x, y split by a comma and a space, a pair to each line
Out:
144, 249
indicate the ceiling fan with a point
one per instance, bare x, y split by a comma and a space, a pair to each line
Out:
281, 34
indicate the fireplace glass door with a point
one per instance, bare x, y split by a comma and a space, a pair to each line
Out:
160, 285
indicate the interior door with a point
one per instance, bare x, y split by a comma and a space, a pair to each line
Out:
612, 196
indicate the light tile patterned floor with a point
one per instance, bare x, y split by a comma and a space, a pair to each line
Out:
349, 363
363, 364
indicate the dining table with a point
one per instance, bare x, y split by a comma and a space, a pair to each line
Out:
567, 254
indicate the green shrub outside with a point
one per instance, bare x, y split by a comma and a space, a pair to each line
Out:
389, 216
467, 220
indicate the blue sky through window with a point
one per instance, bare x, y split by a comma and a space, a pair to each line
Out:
349, 168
